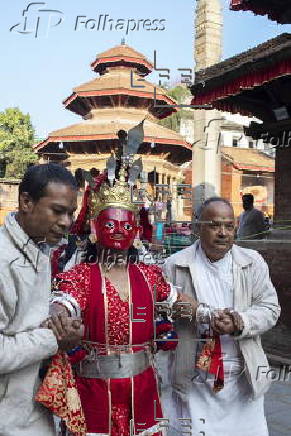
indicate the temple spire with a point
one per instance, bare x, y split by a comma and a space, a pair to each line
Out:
206, 154
208, 34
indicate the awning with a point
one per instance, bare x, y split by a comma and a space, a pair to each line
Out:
277, 10
217, 96
254, 83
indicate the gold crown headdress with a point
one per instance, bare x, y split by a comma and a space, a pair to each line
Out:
119, 192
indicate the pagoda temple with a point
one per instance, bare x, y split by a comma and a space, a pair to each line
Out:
119, 99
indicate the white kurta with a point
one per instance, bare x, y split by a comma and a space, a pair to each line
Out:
232, 411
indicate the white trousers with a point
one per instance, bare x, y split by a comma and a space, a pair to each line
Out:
229, 412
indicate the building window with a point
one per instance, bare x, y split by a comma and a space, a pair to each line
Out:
234, 142
251, 144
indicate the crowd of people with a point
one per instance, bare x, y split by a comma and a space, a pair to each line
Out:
81, 343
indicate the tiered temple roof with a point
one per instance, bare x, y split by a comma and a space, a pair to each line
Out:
119, 98
122, 55
97, 135
118, 87
277, 10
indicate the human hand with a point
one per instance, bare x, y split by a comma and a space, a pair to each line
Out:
185, 306
57, 308
68, 331
54, 310
227, 322
222, 323
237, 320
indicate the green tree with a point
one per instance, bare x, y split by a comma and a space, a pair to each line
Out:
179, 93
16, 138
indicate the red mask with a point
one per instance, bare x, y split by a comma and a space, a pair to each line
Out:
116, 228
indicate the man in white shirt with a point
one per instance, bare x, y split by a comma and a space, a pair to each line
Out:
217, 370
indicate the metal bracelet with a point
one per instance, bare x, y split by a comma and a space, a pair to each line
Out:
203, 314
68, 301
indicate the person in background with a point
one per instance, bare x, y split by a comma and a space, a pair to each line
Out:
169, 217
251, 221
159, 207
146, 226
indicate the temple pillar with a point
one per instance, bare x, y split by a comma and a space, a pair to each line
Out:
206, 153
174, 198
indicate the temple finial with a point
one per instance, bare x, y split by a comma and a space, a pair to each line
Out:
123, 41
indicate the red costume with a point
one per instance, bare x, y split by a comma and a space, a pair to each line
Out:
109, 405
114, 389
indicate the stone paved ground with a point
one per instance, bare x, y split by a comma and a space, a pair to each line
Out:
278, 408
277, 341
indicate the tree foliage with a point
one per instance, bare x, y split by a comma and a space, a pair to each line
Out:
16, 138
180, 94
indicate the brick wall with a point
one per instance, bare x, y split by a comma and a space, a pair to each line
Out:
277, 254
8, 198
231, 185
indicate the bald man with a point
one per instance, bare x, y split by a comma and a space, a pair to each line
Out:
219, 370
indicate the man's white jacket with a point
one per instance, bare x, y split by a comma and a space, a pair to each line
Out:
255, 298
24, 304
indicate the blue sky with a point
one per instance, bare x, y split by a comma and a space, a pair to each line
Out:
37, 74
